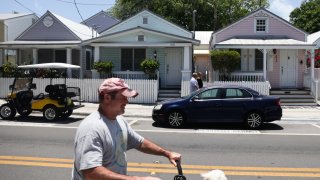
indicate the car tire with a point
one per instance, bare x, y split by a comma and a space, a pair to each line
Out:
25, 112
7, 111
176, 119
66, 113
50, 113
254, 120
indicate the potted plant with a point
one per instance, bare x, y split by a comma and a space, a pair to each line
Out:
103, 67
150, 66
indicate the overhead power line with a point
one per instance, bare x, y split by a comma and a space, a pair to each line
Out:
86, 4
24, 6
78, 9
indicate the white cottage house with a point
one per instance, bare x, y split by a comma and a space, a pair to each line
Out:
147, 35
11, 26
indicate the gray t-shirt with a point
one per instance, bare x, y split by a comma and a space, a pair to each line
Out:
103, 142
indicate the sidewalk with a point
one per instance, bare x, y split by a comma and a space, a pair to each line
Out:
145, 111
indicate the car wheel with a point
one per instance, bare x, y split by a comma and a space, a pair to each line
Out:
176, 119
50, 113
67, 113
25, 112
254, 120
7, 111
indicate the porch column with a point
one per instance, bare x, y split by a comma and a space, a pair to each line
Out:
312, 64
1, 56
264, 64
69, 61
95, 74
34, 56
186, 72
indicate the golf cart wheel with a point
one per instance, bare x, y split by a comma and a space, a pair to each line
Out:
176, 119
254, 120
7, 111
25, 112
67, 113
50, 113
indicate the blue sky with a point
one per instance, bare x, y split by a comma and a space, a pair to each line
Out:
67, 9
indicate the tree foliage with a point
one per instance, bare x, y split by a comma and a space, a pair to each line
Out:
307, 16
180, 12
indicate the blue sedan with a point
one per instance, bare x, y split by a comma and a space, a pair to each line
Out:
222, 104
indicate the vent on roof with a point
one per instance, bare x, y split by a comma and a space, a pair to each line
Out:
145, 20
140, 37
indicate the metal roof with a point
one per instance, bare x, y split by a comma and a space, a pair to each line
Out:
264, 43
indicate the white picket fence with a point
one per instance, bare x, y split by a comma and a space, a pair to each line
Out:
148, 89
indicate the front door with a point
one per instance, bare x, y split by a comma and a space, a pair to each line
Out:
173, 67
288, 62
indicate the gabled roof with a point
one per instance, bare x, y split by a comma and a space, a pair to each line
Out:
270, 13
203, 36
152, 14
14, 15
312, 38
100, 21
80, 31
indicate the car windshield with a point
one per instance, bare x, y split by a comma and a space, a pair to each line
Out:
22, 84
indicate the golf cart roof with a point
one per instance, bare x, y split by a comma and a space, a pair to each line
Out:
50, 66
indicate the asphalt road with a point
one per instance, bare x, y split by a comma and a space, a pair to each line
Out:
34, 149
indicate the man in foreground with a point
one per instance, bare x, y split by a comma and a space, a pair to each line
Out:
103, 138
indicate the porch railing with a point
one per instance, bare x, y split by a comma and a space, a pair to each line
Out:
128, 75
240, 76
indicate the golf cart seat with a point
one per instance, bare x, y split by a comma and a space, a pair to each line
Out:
24, 98
57, 91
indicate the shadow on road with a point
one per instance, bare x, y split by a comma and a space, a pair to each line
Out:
220, 126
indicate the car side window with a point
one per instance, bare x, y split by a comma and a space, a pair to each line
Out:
209, 94
246, 94
234, 93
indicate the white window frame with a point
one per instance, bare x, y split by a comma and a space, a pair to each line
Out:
145, 20
266, 25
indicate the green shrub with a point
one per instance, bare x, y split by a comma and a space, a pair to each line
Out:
9, 70
149, 66
225, 61
103, 67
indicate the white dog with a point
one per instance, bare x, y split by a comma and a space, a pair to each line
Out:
214, 175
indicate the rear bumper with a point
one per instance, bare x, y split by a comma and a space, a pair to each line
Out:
273, 114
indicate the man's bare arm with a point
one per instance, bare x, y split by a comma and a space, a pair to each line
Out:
102, 173
151, 148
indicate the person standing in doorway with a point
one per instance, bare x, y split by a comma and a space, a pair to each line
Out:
194, 83
103, 138
199, 80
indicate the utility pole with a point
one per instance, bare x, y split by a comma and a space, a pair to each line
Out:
193, 36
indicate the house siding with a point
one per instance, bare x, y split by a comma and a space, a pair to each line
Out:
113, 55
2, 32
246, 27
56, 32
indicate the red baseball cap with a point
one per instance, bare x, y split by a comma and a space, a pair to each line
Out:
116, 84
